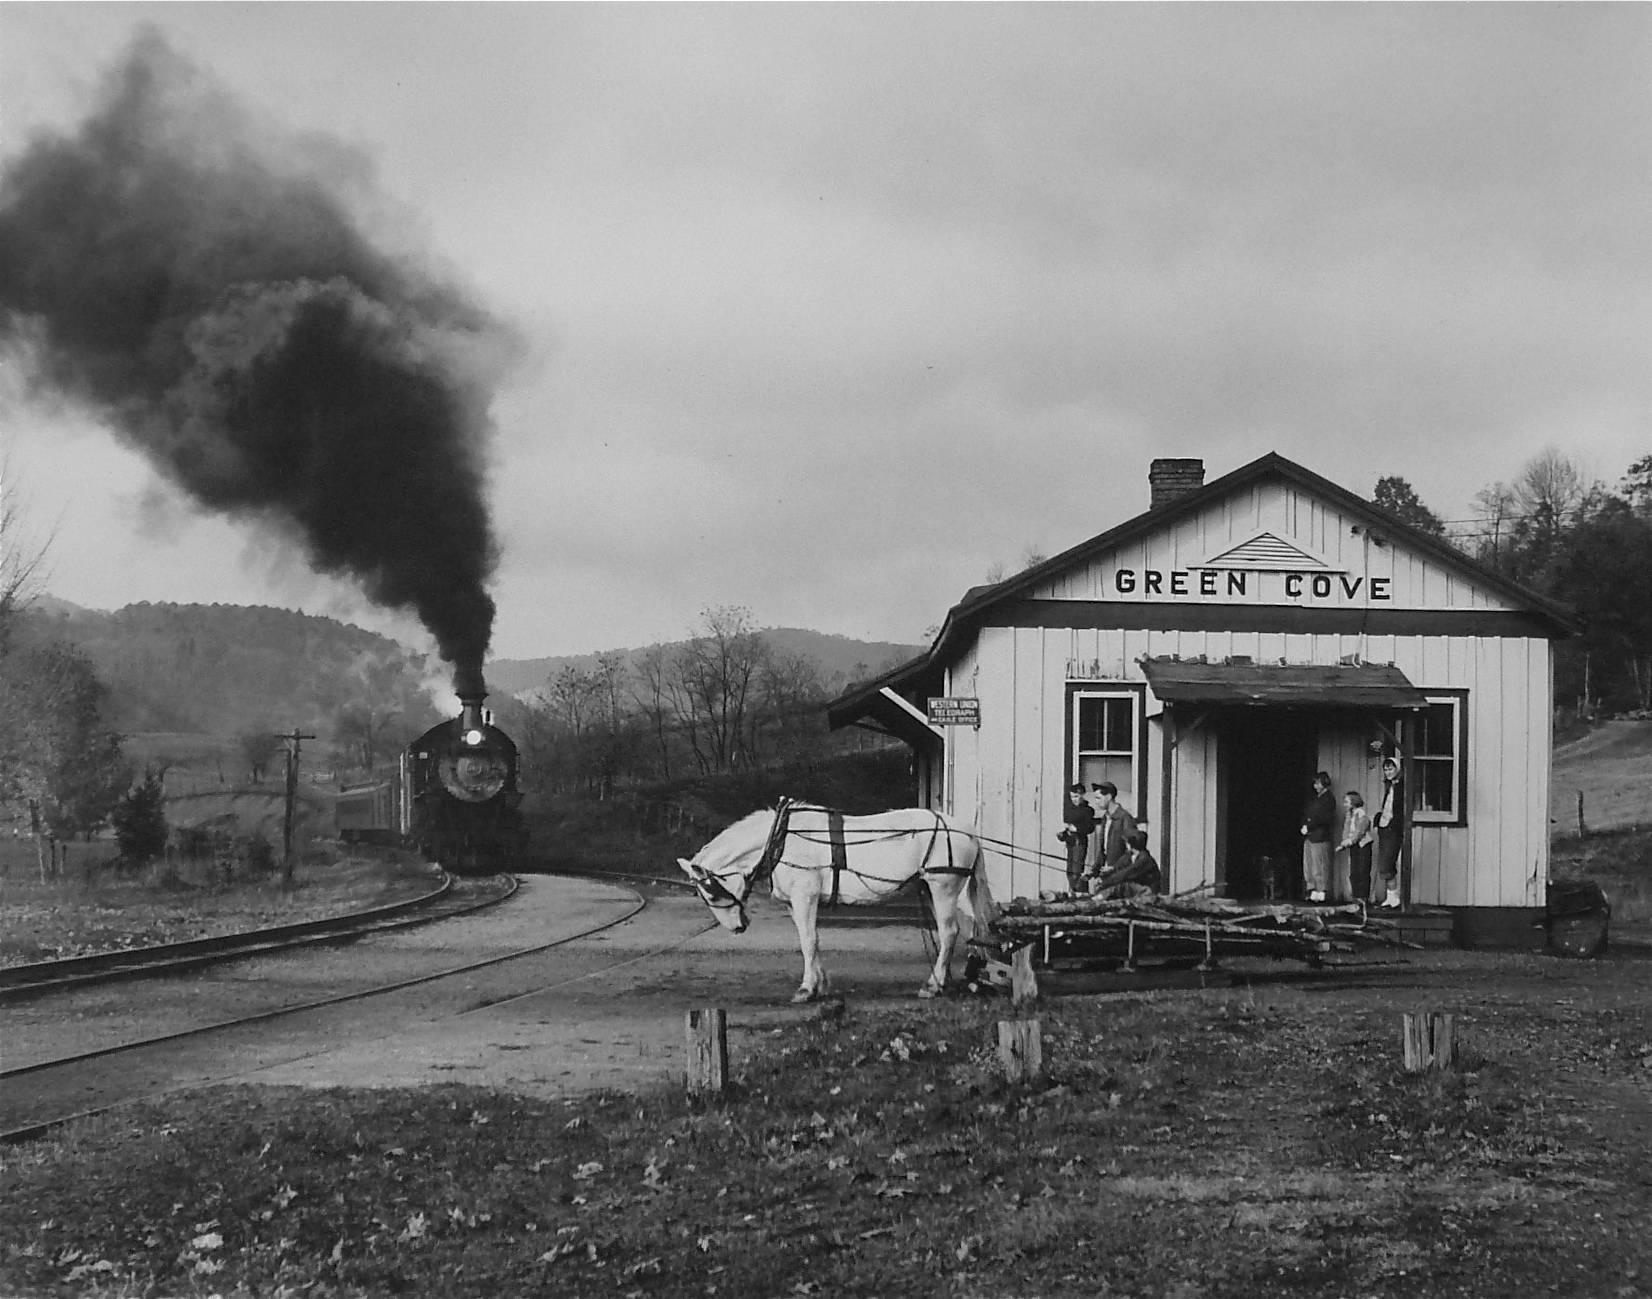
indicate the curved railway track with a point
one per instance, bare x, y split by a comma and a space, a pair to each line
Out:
18, 982
48, 1084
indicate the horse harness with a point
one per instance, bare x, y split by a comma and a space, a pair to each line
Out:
838, 841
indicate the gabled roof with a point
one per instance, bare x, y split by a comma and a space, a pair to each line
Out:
924, 674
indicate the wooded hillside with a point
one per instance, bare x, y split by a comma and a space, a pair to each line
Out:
838, 659
224, 669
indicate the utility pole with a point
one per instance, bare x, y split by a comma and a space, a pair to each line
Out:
294, 742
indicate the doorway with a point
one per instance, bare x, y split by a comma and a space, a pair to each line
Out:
1268, 758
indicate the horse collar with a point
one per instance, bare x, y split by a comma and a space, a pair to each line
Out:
776, 844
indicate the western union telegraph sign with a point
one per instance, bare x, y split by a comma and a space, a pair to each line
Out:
948, 711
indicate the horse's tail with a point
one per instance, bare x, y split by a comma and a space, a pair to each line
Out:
983, 907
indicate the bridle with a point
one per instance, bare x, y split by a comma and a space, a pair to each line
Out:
715, 893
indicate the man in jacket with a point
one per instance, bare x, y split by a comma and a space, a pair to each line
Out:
1113, 824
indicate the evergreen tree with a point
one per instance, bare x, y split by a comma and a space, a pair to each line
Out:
140, 821
1395, 496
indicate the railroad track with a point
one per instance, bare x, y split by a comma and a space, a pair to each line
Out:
18, 982
129, 1066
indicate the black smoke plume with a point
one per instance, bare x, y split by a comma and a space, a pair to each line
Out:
205, 284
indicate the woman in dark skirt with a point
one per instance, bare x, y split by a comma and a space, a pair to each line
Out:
1319, 819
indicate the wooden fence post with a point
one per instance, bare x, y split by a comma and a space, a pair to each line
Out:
707, 1033
1429, 1040
1023, 979
1582, 829
1021, 1048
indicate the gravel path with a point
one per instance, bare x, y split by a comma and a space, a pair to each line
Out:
605, 1010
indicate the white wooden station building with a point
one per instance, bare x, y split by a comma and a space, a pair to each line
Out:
1209, 656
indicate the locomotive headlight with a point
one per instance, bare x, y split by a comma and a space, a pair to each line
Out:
473, 738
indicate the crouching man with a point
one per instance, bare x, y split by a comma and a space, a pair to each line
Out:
1137, 875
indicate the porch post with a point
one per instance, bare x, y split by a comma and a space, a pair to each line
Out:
1408, 732
1166, 730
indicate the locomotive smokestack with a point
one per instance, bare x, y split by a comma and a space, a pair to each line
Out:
470, 713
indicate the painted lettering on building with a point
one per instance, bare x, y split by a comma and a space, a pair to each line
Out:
1210, 583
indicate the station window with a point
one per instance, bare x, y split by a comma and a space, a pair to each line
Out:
1107, 740
1439, 761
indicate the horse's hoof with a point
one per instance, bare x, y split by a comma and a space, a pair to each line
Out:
802, 995
927, 993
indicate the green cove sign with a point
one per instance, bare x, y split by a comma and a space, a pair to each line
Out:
1211, 583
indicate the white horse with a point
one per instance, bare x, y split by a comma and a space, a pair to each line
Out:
813, 854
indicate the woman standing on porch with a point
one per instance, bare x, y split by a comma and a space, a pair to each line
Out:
1318, 821
1390, 827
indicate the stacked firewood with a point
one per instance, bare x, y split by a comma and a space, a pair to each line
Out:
1193, 923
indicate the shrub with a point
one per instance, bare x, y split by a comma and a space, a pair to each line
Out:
257, 855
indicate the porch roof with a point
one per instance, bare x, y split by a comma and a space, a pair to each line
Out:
1345, 685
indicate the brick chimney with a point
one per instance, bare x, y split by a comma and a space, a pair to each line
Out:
1170, 479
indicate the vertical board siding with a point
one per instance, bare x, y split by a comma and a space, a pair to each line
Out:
1540, 775
1036, 699
1010, 776
996, 689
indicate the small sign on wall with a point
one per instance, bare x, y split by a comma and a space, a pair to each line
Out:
948, 711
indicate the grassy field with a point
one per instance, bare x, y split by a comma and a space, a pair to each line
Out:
1620, 861
93, 908
1198, 1145
1611, 767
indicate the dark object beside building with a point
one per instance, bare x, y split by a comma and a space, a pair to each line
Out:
1577, 917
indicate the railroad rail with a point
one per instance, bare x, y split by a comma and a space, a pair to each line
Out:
57, 1077
35, 978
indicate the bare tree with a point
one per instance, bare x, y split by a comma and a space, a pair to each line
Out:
792, 692
652, 696
22, 559
713, 674
1549, 487
1496, 507
610, 745
258, 747
572, 693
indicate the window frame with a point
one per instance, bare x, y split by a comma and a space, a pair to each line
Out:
1136, 692
1457, 815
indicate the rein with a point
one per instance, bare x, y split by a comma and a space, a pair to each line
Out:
839, 839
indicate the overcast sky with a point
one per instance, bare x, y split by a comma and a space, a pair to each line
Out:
827, 310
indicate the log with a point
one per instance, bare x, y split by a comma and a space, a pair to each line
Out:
1023, 980
1209, 963
707, 1033
1429, 1040
1021, 1049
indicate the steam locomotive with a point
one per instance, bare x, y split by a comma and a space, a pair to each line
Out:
455, 799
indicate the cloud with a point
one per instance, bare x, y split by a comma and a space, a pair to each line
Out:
832, 307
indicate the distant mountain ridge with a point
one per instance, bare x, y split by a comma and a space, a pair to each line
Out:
221, 669
840, 659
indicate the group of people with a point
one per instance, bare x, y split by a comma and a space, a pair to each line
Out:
1361, 831
1107, 854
